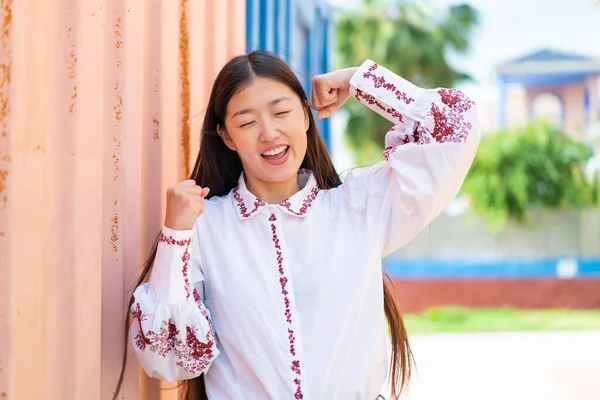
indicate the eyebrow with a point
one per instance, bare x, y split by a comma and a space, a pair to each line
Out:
271, 103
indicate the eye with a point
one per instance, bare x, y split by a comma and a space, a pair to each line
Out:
247, 124
282, 113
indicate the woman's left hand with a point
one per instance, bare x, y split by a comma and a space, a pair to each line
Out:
329, 91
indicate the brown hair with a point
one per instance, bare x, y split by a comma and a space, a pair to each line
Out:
219, 168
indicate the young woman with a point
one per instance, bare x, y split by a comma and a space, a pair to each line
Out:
266, 280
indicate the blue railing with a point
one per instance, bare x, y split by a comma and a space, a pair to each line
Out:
566, 267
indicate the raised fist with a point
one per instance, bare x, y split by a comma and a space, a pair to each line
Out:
185, 203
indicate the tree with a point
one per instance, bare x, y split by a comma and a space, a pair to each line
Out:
536, 165
409, 38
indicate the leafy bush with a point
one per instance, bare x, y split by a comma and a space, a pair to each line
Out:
534, 165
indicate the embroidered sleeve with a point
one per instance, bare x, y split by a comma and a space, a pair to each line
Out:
171, 329
428, 153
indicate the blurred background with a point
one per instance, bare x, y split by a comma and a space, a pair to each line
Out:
101, 104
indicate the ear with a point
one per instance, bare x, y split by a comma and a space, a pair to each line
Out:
225, 137
306, 118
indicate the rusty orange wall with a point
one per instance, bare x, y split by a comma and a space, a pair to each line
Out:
100, 109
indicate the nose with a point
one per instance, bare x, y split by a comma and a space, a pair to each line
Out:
269, 131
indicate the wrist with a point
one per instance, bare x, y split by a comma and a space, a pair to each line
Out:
176, 225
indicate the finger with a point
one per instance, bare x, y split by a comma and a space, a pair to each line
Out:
327, 111
320, 101
325, 94
188, 182
312, 100
200, 191
319, 92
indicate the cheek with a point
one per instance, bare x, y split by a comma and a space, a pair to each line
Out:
243, 142
299, 134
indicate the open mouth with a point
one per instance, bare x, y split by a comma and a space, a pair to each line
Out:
276, 153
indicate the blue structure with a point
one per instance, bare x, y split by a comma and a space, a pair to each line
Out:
521, 268
300, 32
551, 71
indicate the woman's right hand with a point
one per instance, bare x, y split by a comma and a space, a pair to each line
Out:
185, 203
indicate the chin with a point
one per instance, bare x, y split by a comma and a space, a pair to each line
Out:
283, 175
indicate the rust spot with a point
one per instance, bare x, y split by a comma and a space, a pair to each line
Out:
39, 148
3, 184
184, 59
72, 59
72, 98
3, 179
2, 235
71, 68
156, 88
115, 202
156, 126
115, 156
118, 105
118, 42
5, 76
114, 233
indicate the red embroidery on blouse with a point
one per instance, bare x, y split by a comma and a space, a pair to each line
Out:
197, 299
298, 394
371, 100
292, 339
449, 123
141, 340
193, 355
203, 309
288, 314
379, 81
388, 151
196, 355
456, 100
305, 204
170, 240
161, 342
185, 258
242, 207
186, 280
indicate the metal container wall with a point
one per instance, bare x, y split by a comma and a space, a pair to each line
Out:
101, 103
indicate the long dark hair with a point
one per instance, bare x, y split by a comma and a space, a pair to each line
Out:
219, 168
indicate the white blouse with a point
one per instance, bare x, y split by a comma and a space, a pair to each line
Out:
285, 301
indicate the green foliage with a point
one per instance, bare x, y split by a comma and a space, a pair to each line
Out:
462, 319
413, 40
534, 165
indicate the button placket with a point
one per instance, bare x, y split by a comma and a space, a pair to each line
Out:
286, 292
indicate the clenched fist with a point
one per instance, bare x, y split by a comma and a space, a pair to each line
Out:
329, 91
185, 203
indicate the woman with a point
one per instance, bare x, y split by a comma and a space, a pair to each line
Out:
266, 280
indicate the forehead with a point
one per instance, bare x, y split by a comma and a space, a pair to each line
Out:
259, 93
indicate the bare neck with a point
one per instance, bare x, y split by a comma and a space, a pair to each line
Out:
273, 193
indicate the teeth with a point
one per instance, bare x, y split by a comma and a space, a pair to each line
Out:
276, 151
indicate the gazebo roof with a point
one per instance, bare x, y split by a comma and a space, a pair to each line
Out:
548, 67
